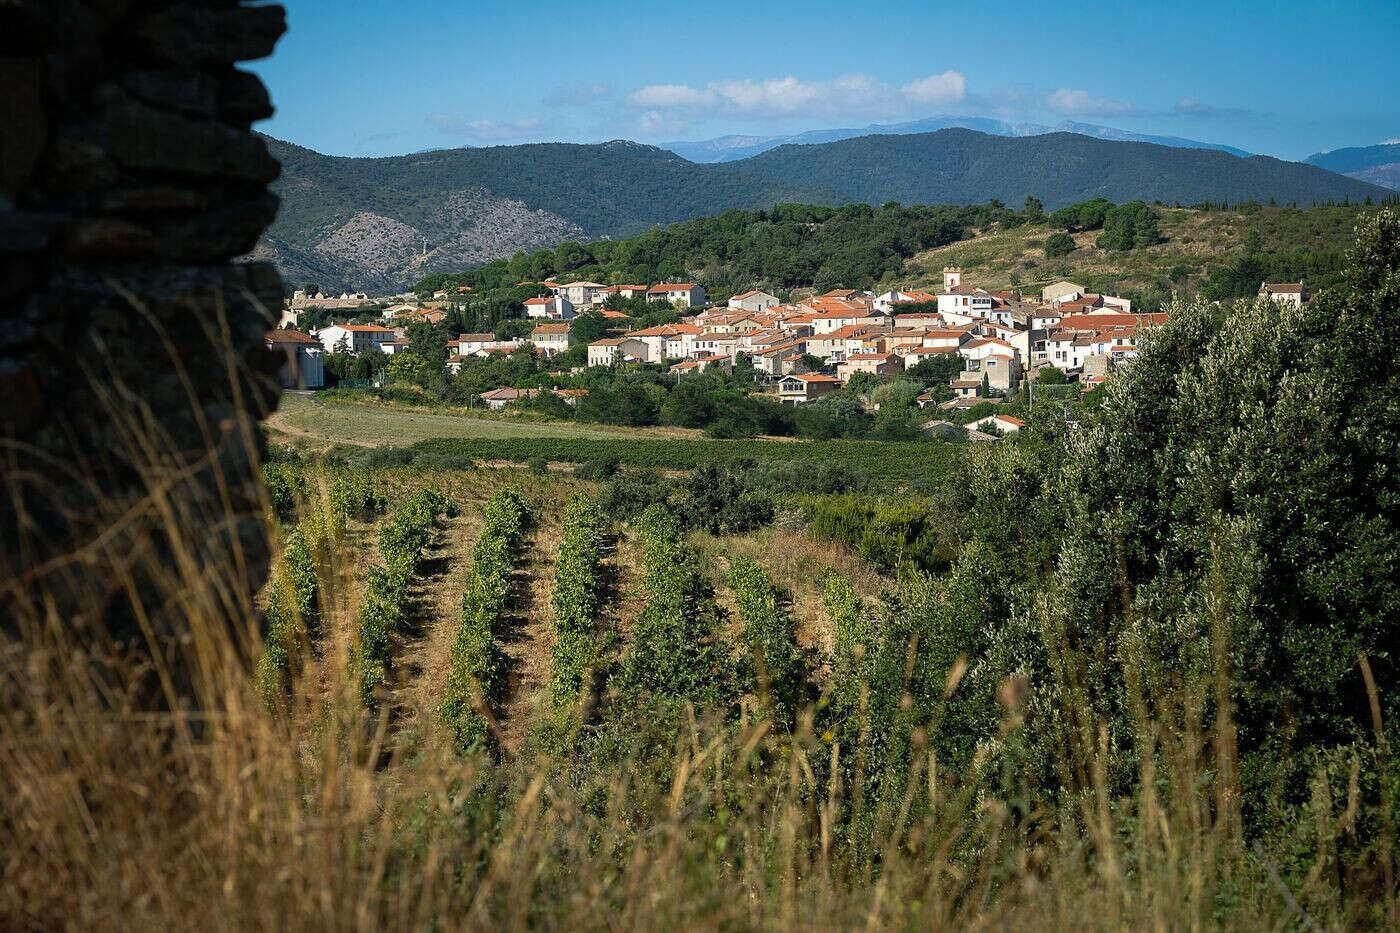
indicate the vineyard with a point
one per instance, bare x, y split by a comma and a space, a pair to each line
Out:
629, 604
692, 674
895, 460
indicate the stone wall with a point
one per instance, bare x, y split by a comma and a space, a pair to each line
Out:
132, 363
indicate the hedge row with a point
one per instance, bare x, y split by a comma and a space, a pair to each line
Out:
896, 460
401, 543
474, 678
579, 640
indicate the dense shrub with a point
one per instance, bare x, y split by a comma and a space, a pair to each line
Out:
1059, 244
599, 468
717, 498
383, 458
628, 495
885, 532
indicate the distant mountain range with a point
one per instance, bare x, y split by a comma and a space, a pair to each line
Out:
1379, 165
383, 223
730, 148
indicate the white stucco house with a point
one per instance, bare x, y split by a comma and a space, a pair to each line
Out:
353, 338
689, 294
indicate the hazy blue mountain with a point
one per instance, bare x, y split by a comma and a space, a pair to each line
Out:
1379, 165
732, 148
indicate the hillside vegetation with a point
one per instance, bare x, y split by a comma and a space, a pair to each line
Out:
620, 188
1196, 246
794, 247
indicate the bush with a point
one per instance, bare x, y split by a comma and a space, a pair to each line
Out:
719, 500
886, 533
385, 458
1059, 244
629, 494
600, 468
538, 466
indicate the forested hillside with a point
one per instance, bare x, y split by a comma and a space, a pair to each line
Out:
367, 219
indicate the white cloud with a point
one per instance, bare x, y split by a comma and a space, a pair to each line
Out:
484, 130
947, 88
672, 95
846, 94
1076, 102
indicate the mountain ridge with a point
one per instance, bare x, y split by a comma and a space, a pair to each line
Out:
1378, 164
363, 221
731, 147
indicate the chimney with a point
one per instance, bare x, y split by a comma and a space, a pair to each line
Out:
952, 277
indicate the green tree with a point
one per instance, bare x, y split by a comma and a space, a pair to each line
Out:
410, 369
429, 341
588, 327
1059, 244
690, 405
1129, 225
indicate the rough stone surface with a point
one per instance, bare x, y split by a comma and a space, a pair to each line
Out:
132, 365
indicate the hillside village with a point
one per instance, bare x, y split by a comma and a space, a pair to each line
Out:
989, 341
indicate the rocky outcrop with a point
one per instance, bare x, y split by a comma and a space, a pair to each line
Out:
370, 251
132, 364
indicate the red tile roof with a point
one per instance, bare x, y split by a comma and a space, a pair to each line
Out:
287, 335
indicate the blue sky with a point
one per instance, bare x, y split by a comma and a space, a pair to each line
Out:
384, 77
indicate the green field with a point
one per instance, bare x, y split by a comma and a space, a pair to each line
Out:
306, 420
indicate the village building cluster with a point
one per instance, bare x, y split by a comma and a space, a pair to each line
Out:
800, 350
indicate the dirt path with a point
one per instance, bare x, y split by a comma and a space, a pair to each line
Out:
527, 639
